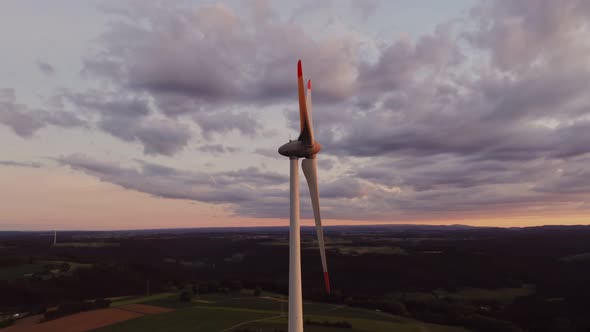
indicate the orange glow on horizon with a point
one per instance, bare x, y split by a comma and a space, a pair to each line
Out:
69, 200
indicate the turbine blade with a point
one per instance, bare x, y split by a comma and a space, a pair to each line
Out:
310, 170
308, 105
306, 134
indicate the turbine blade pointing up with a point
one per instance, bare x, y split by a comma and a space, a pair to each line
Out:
306, 134
310, 169
308, 105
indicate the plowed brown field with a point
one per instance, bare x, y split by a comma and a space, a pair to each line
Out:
145, 309
80, 322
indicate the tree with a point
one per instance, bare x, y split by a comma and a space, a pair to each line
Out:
185, 296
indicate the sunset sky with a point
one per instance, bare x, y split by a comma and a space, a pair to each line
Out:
160, 114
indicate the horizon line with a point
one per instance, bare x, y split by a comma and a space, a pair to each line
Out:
286, 226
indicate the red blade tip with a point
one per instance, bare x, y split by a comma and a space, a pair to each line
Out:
299, 70
327, 281
309, 84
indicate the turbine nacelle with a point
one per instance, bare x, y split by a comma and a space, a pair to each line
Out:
298, 149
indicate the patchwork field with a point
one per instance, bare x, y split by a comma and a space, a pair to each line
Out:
267, 313
126, 300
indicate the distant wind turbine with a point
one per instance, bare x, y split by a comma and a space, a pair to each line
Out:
304, 147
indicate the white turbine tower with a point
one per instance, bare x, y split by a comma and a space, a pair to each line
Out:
304, 147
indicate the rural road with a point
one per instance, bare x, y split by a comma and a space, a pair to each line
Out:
273, 317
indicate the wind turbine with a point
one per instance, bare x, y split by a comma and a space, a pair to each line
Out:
304, 147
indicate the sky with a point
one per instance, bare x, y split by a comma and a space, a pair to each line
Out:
160, 114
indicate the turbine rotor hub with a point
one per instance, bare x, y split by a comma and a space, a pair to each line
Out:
298, 149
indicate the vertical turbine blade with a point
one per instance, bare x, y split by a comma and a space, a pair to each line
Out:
310, 170
308, 105
306, 134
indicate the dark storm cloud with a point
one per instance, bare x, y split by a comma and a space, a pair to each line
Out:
569, 177
506, 141
269, 153
339, 199
569, 181
217, 149
421, 93
251, 191
399, 62
202, 62
129, 119
365, 8
24, 122
326, 164
521, 33
342, 188
109, 104
226, 121
252, 175
46, 68
61, 119
20, 164
451, 172
484, 113
453, 136
207, 55
246, 186
426, 108
158, 136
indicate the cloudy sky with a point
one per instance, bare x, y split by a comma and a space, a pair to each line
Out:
149, 114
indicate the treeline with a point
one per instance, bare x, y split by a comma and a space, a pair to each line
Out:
342, 324
445, 312
100, 281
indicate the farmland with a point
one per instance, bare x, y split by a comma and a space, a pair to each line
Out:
83, 321
263, 313
383, 278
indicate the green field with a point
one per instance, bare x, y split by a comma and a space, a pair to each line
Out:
118, 302
219, 312
15, 272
